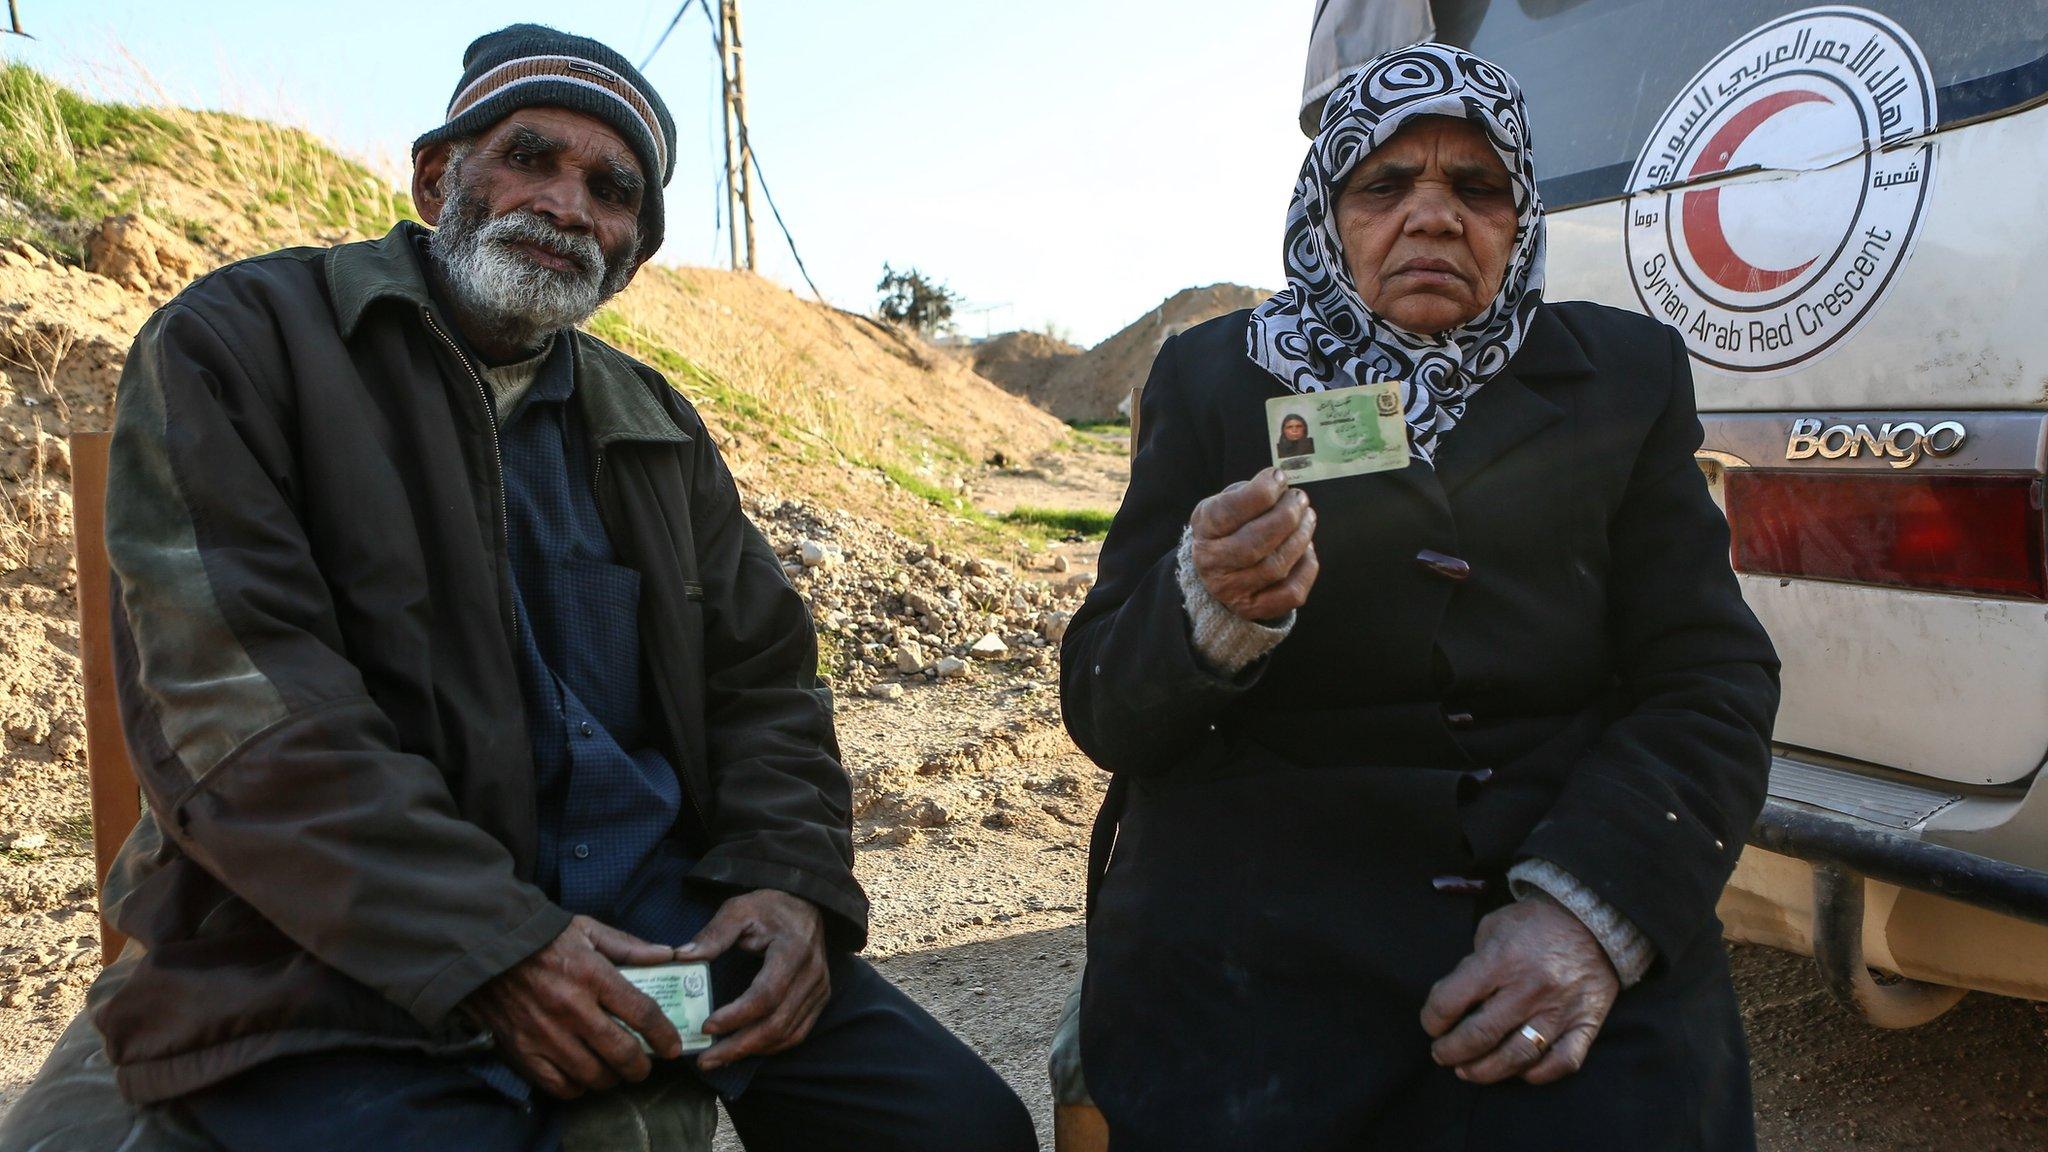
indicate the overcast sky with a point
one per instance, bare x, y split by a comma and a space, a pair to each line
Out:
1055, 161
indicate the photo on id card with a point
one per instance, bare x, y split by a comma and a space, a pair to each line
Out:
1341, 432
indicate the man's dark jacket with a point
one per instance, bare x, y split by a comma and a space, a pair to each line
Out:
314, 650
1534, 650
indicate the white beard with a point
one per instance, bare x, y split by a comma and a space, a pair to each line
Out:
507, 291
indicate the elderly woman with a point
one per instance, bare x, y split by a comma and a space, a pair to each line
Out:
1426, 781
1294, 438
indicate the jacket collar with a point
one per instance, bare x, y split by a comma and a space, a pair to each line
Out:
387, 268
618, 403
1508, 410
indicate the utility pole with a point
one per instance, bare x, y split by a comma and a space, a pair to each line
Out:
739, 155
14, 18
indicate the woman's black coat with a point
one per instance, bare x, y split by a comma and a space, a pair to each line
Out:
1552, 603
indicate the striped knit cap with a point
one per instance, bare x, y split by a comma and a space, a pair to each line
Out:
529, 65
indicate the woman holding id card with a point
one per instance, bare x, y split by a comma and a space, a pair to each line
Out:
1436, 735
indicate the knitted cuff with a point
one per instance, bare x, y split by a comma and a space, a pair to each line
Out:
1627, 948
1225, 641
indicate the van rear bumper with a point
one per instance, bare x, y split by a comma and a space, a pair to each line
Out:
1845, 866
1789, 828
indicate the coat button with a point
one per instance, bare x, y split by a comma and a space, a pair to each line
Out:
583, 851
1458, 885
1459, 719
1448, 567
586, 729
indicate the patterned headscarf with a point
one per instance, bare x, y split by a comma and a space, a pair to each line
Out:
1316, 333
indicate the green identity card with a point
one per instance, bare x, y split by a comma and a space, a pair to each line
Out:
684, 993
1341, 432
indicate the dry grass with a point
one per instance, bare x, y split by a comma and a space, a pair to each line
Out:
820, 398
752, 385
27, 522
232, 183
41, 352
284, 182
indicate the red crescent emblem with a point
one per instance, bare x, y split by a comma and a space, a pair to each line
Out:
1701, 211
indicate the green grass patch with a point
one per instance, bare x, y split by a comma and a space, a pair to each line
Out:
925, 490
1101, 437
58, 150
1089, 523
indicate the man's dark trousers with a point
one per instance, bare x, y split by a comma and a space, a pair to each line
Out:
876, 1073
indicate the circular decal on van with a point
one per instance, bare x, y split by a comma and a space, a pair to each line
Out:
1782, 190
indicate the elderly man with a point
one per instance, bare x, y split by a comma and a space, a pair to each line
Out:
456, 679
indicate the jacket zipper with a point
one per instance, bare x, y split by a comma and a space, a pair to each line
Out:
497, 452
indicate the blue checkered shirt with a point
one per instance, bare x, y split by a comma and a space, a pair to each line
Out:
611, 845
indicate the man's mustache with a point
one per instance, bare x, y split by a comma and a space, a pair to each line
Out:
521, 227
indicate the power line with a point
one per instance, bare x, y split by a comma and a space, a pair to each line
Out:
684, 7
747, 152
777, 213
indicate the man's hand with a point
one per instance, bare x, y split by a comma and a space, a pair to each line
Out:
549, 1011
778, 1010
1254, 546
1532, 963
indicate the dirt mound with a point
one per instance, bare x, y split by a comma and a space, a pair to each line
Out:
1023, 362
1097, 385
811, 401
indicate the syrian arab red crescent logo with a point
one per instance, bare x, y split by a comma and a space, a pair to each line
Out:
1702, 211
1780, 193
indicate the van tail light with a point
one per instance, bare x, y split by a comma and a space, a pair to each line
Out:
1980, 534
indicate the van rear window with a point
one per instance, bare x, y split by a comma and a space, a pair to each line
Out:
1598, 73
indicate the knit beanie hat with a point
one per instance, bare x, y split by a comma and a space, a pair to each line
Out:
528, 65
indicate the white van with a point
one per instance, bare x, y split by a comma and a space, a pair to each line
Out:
1845, 211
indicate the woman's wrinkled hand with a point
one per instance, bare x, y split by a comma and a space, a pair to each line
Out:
1254, 546
1532, 963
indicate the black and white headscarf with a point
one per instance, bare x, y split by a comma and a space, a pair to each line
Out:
1316, 333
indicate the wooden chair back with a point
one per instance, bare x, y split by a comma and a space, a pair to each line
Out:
116, 798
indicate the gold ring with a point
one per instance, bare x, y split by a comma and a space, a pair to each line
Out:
1542, 1042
